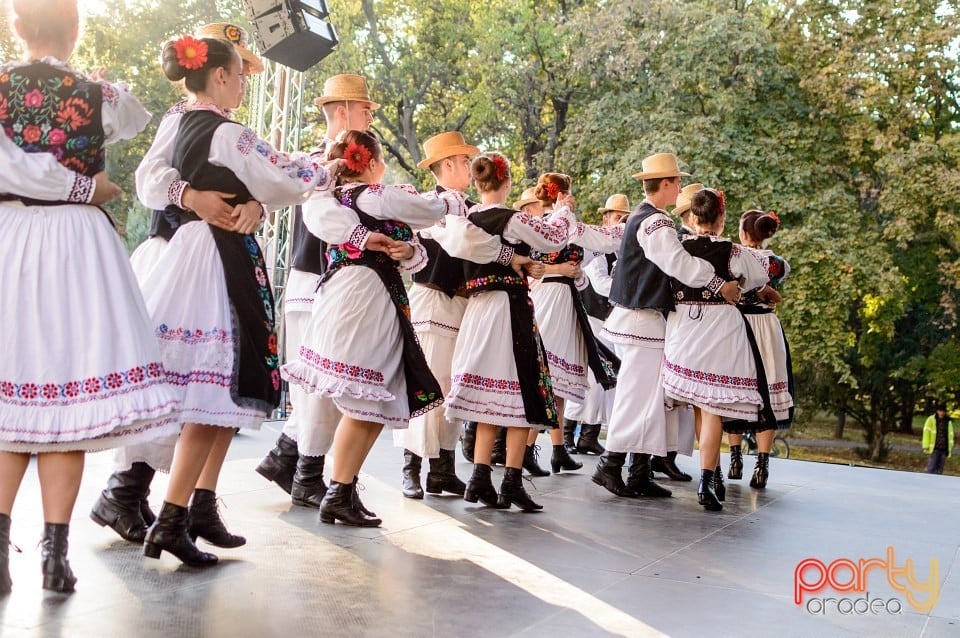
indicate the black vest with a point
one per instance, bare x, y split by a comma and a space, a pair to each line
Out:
597, 305
442, 270
191, 153
717, 254
493, 221
638, 282
308, 250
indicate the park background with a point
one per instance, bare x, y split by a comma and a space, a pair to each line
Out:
841, 116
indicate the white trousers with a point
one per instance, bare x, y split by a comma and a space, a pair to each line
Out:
639, 421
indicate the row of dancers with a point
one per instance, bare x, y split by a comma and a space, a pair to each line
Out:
166, 359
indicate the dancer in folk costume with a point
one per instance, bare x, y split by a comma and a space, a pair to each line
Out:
756, 229
361, 349
649, 256
296, 462
594, 411
710, 359
81, 369
210, 298
123, 505
573, 353
437, 303
500, 375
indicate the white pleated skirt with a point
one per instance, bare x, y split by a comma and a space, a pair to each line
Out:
81, 369
773, 350
562, 339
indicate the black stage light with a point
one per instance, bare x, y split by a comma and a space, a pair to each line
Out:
294, 33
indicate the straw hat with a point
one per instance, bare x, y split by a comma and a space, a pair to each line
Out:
616, 204
345, 88
445, 145
683, 199
660, 165
527, 197
237, 37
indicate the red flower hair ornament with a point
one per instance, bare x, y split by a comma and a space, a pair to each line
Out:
356, 157
553, 190
500, 166
191, 53
774, 216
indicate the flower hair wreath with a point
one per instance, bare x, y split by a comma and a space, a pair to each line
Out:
356, 157
500, 167
774, 217
191, 53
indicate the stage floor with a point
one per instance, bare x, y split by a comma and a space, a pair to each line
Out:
590, 564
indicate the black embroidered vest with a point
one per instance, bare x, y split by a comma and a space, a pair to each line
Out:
44, 108
494, 276
442, 270
637, 281
717, 253
308, 250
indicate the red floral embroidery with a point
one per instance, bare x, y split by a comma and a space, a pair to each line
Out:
31, 134
74, 113
28, 391
33, 99
91, 386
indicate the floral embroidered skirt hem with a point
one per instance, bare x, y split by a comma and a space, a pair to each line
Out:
352, 350
81, 369
187, 299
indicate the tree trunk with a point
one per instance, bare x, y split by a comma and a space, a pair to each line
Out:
906, 419
876, 445
841, 423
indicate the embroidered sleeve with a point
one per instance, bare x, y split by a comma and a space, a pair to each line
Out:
359, 236
326, 218
714, 285
748, 267
122, 115
82, 190
158, 183
175, 192
663, 248
418, 261
546, 234
40, 176
603, 239
462, 239
404, 205
506, 255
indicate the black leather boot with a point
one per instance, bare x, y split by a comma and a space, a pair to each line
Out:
761, 472
442, 476
468, 440
169, 533
668, 465
608, 474
718, 487
531, 463
280, 464
205, 521
339, 505
498, 455
705, 494
569, 430
480, 487
638, 478
560, 460
120, 505
57, 575
5, 583
735, 471
308, 487
355, 486
512, 492
148, 516
411, 475
589, 441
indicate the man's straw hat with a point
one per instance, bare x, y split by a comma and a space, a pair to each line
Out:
445, 145
660, 165
683, 199
237, 37
616, 204
527, 197
345, 88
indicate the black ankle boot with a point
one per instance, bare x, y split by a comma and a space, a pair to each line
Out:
339, 505
468, 440
560, 460
308, 487
411, 475
57, 575
355, 486
442, 476
205, 521
718, 487
480, 487
761, 472
705, 493
512, 492
608, 474
169, 533
531, 463
280, 464
148, 516
569, 430
735, 471
638, 478
668, 465
589, 441
120, 505
498, 455
5, 583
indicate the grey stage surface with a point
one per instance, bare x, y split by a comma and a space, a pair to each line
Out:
590, 564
